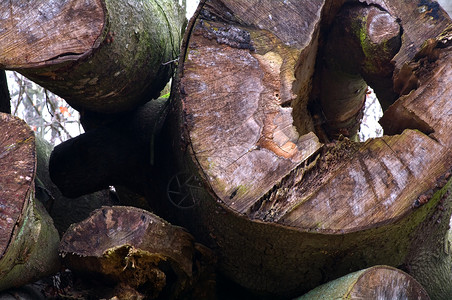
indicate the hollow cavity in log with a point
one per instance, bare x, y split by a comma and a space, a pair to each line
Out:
358, 50
333, 203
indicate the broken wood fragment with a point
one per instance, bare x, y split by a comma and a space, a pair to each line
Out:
135, 250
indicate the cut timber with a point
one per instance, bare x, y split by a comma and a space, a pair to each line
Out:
28, 239
283, 212
379, 282
427, 108
99, 55
135, 249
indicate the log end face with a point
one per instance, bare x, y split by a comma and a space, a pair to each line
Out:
235, 97
387, 283
41, 32
235, 123
381, 26
18, 165
378, 282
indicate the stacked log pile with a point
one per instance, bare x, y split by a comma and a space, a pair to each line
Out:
254, 152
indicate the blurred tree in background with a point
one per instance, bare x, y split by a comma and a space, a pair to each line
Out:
47, 114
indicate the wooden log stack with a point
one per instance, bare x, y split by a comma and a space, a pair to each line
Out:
255, 135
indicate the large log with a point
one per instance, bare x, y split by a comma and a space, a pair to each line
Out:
99, 55
28, 239
379, 282
358, 51
138, 251
426, 108
284, 212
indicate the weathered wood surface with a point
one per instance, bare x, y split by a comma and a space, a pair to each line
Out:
28, 239
236, 120
247, 135
136, 250
379, 282
420, 21
99, 55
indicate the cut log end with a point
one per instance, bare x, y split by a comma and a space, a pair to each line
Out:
388, 283
239, 126
27, 30
379, 282
18, 165
261, 170
246, 146
101, 56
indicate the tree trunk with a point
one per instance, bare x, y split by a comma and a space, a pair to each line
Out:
284, 212
379, 282
28, 239
99, 55
136, 249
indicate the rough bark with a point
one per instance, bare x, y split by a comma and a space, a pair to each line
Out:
99, 55
28, 239
379, 282
429, 257
136, 249
284, 212
119, 153
426, 108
